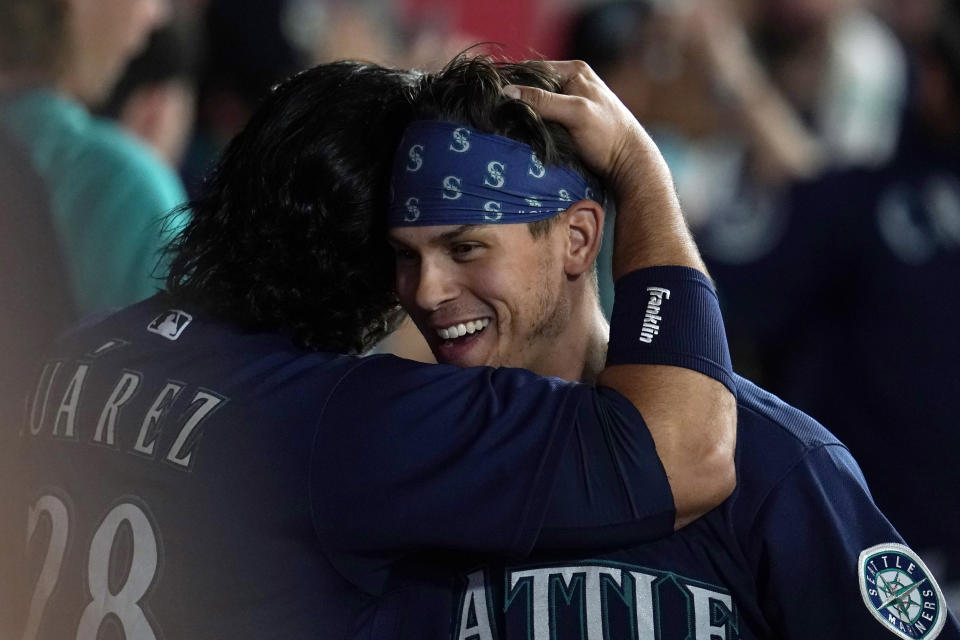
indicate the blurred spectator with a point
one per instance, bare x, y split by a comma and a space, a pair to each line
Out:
155, 98
341, 29
853, 314
525, 29
744, 91
826, 91
35, 302
743, 96
376, 31
839, 292
246, 50
34, 288
106, 190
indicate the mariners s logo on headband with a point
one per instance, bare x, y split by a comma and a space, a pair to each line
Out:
445, 173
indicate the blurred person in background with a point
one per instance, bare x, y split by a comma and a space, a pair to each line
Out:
155, 98
853, 313
787, 85
814, 85
247, 48
251, 45
80, 201
35, 303
745, 96
839, 292
107, 190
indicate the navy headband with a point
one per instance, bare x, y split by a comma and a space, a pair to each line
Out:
446, 173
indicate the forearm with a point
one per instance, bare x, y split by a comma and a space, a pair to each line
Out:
650, 229
688, 415
668, 355
691, 416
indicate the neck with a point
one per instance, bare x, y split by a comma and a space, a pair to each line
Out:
582, 345
595, 355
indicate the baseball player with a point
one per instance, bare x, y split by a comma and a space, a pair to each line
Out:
798, 551
208, 464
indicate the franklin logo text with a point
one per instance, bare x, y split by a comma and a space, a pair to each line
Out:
651, 317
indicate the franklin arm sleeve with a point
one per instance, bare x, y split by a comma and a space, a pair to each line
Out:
669, 315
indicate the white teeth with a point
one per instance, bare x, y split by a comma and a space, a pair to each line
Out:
463, 329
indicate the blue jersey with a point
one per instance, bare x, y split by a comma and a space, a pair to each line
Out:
852, 314
181, 478
798, 551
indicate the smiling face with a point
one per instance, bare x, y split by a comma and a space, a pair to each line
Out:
484, 294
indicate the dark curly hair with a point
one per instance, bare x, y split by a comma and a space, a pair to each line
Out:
468, 91
289, 232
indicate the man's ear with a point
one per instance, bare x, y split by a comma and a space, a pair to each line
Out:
583, 222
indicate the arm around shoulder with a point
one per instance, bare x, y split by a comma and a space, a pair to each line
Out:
668, 353
692, 419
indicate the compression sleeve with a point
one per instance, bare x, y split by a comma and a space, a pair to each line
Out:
669, 315
827, 558
411, 458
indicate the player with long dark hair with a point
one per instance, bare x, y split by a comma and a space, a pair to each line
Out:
208, 463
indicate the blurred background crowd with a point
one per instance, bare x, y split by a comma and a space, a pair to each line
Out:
815, 146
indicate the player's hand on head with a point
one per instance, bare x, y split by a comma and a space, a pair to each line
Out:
609, 138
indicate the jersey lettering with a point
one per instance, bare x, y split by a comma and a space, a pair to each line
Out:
147, 438
67, 413
125, 603
121, 603
920, 221
541, 578
705, 605
597, 601
38, 408
122, 393
202, 406
474, 620
115, 426
54, 509
643, 605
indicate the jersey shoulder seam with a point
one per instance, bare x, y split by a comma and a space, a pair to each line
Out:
762, 502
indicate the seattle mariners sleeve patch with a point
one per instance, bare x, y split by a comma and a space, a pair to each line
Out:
900, 592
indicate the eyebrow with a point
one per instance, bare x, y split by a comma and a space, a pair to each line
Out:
445, 237
453, 234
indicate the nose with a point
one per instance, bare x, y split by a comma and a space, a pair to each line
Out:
435, 285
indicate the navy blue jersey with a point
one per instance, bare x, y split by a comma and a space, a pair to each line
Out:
180, 478
853, 315
798, 551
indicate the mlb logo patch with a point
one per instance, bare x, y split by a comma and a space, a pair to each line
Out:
170, 324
